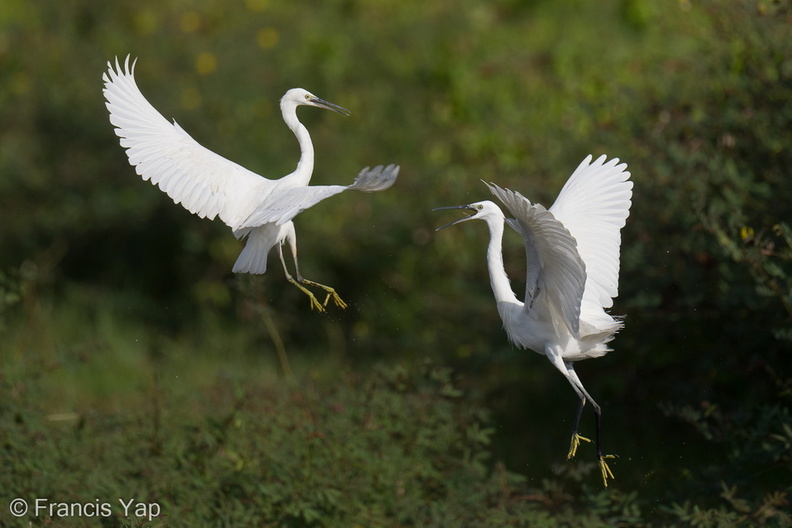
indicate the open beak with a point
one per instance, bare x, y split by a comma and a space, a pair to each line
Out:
321, 103
464, 219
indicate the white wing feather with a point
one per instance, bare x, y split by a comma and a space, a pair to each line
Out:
284, 203
205, 183
593, 205
555, 271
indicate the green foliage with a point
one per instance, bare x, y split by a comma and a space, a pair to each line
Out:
726, 142
717, 230
768, 257
119, 316
399, 447
11, 286
754, 476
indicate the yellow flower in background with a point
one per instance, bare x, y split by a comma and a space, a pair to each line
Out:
267, 38
746, 232
205, 63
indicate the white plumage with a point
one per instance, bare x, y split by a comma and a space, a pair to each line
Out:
572, 257
210, 186
593, 205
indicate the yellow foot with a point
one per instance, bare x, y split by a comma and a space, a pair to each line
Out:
315, 304
336, 299
573, 446
331, 294
605, 470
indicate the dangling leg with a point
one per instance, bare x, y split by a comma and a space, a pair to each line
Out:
565, 367
315, 305
604, 469
601, 459
568, 371
291, 237
576, 438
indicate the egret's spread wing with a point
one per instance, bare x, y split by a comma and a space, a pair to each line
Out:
593, 205
203, 182
284, 204
555, 272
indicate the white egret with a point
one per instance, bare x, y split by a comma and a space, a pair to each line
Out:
572, 254
209, 185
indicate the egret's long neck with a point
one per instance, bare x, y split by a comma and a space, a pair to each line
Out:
302, 174
498, 278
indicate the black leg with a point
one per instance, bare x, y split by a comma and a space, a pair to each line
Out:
581, 404
604, 469
597, 427
566, 368
576, 438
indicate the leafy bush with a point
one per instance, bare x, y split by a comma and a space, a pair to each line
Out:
104, 279
399, 447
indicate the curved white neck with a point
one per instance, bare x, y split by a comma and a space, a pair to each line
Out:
498, 278
302, 174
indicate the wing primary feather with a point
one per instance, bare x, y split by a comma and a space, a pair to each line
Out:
163, 153
594, 205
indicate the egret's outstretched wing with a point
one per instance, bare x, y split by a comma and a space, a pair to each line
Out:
283, 205
203, 182
555, 274
593, 205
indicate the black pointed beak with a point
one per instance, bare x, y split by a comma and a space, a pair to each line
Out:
464, 219
321, 103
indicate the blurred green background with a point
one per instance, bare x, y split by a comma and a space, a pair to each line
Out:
133, 363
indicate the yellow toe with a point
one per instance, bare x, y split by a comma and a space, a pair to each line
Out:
573, 446
315, 304
605, 470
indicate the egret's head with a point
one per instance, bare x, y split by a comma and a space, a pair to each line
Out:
298, 96
474, 211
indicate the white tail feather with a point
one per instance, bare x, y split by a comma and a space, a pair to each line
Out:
253, 258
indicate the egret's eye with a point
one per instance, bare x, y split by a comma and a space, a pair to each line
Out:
479, 207
307, 97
